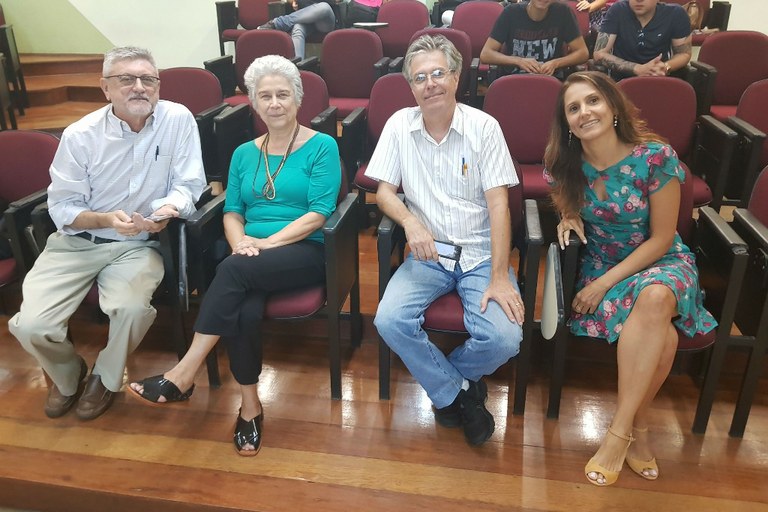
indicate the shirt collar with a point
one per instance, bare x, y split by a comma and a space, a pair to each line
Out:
457, 122
118, 127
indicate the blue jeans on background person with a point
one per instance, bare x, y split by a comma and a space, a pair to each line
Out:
494, 339
316, 17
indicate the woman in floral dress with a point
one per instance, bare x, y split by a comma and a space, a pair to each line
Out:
617, 186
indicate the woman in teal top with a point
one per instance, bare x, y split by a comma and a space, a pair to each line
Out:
617, 186
282, 187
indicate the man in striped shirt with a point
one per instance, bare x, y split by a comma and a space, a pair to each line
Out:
454, 167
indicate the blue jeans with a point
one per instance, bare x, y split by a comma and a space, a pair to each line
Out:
494, 339
316, 17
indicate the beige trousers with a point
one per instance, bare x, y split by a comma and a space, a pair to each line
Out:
127, 274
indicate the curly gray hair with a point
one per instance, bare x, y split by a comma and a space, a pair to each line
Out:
273, 65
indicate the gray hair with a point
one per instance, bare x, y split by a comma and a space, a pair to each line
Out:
273, 65
125, 53
426, 44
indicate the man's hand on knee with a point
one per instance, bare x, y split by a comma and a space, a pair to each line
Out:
505, 295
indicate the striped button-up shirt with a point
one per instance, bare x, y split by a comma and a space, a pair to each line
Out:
103, 166
445, 182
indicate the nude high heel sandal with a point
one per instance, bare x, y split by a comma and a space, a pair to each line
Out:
647, 469
609, 477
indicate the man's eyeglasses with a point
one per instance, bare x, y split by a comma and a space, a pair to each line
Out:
437, 75
148, 81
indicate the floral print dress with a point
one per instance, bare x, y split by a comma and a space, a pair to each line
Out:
618, 225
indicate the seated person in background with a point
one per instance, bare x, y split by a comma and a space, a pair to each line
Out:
308, 17
136, 154
362, 11
644, 38
535, 35
282, 188
616, 185
455, 169
597, 10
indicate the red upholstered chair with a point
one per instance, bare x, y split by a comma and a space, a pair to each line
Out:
248, 14
705, 147
24, 178
720, 253
198, 90
446, 313
240, 124
463, 44
739, 58
752, 312
751, 155
524, 106
14, 74
351, 61
476, 19
362, 128
405, 18
204, 234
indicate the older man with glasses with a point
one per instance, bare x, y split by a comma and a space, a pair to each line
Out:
454, 166
119, 174
644, 38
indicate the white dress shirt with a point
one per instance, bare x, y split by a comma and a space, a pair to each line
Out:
445, 183
102, 166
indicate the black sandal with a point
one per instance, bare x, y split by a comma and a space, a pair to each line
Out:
157, 386
248, 432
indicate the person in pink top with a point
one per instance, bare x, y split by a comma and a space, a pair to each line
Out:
362, 11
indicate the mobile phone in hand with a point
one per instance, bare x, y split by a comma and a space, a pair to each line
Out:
158, 218
448, 250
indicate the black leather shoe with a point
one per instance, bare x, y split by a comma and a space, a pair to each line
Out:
450, 415
95, 399
248, 432
477, 421
56, 404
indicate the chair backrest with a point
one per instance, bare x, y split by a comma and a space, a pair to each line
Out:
740, 57
258, 43
252, 13
524, 106
758, 201
316, 99
462, 43
753, 108
348, 56
582, 17
8, 47
26, 161
668, 105
405, 18
476, 18
390, 93
195, 88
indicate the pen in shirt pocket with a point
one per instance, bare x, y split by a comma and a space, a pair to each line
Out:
157, 152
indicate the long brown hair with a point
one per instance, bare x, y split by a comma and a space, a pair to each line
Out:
563, 156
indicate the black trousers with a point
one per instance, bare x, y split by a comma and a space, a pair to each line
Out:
233, 306
360, 13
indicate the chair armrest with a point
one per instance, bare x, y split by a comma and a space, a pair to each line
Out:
309, 64
715, 145
226, 15
340, 233
381, 67
276, 9
720, 249
396, 65
42, 225
232, 127
390, 243
205, 127
533, 231
17, 217
474, 71
703, 81
553, 305
224, 69
325, 122
718, 16
352, 143
745, 220
746, 159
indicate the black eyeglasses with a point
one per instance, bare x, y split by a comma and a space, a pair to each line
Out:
148, 81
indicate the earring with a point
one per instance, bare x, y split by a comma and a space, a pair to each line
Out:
615, 121
570, 137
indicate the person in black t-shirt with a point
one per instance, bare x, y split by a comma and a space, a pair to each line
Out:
644, 38
534, 36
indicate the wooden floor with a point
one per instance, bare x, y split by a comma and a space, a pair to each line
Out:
360, 453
